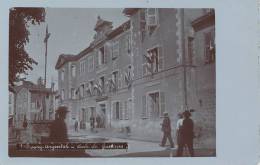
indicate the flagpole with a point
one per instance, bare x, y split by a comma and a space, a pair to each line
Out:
47, 35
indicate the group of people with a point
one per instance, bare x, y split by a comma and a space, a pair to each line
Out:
184, 132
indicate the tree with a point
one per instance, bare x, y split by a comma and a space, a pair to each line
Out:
19, 21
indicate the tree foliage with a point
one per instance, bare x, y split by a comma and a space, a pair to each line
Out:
19, 21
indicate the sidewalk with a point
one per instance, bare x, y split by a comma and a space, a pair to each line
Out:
136, 147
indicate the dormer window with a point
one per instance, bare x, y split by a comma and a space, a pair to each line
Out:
152, 17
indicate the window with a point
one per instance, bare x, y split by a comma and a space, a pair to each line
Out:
128, 42
129, 109
142, 24
115, 50
72, 93
81, 90
153, 105
90, 63
153, 61
102, 83
73, 70
82, 66
128, 76
152, 17
190, 50
209, 52
62, 94
101, 56
115, 79
62, 75
116, 108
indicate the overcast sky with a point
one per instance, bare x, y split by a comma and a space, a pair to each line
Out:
71, 30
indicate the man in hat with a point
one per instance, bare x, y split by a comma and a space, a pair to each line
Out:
178, 128
166, 128
58, 129
186, 134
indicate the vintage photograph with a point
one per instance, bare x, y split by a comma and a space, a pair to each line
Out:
112, 82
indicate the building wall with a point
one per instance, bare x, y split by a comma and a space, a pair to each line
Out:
168, 81
22, 107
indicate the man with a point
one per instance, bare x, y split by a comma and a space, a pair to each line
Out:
186, 134
76, 126
178, 127
166, 128
58, 129
92, 123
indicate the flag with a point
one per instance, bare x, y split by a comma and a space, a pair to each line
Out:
47, 35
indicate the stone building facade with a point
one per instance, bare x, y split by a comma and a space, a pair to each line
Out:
160, 60
33, 102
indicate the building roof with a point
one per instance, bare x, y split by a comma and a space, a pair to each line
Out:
64, 58
32, 87
130, 11
204, 21
101, 23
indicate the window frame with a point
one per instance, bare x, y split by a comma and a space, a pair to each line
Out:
91, 63
117, 49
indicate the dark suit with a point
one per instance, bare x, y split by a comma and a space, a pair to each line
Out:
58, 131
166, 128
186, 137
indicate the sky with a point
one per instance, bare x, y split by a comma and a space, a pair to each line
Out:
72, 30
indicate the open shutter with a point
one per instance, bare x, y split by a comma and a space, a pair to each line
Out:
144, 107
160, 58
162, 103
121, 110
114, 111
126, 110
144, 66
129, 109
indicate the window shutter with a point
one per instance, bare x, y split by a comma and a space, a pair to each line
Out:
144, 106
129, 109
126, 110
96, 57
107, 53
160, 58
121, 110
142, 24
114, 111
207, 37
162, 102
144, 66
119, 80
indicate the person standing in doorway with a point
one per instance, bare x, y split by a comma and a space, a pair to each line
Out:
76, 125
186, 134
166, 128
92, 123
